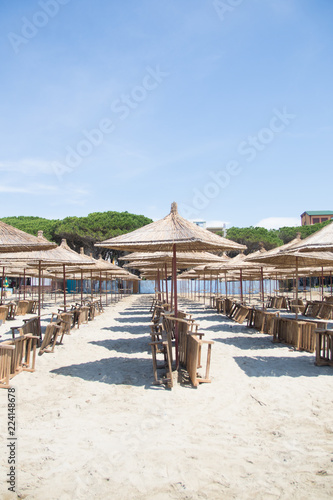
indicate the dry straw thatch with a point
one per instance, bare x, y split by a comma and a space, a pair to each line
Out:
15, 240
293, 258
319, 241
62, 254
162, 235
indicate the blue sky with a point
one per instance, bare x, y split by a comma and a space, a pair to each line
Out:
222, 106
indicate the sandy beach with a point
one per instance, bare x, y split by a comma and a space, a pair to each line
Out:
91, 424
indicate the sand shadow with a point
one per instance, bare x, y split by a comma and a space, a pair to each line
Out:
132, 319
131, 329
128, 346
269, 366
135, 312
113, 371
250, 342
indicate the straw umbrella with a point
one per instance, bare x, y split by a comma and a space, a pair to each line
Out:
172, 233
320, 241
15, 240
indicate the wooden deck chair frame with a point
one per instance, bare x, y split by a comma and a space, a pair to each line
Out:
52, 332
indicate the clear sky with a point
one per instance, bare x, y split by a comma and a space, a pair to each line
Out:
223, 106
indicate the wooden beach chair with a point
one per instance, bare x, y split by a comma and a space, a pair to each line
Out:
19, 354
22, 307
324, 347
3, 314
51, 334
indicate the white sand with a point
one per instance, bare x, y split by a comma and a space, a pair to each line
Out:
91, 425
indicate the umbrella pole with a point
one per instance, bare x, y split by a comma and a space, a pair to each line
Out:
331, 281
322, 283
24, 284
100, 286
296, 279
81, 286
42, 289
39, 284
106, 288
241, 285
262, 287
158, 283
174, 266
64, 282
204, 289
166, 283
2, 282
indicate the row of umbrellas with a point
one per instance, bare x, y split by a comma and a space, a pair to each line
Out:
19, 250
169, 245
172, 243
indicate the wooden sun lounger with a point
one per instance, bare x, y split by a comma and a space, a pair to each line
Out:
52, 332
19, 355
324, 347
22, 307
3, 313
31, 325
5, 363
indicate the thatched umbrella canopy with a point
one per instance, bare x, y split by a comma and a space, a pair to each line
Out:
288, 246
173, 230
165, 257
15, 240
320, 241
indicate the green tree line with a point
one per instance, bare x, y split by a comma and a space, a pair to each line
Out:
82, 231
254, 237
97, 226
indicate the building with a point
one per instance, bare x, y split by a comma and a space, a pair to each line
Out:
309, 218
215, 226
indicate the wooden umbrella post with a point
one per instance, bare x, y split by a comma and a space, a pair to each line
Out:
100, 286
39, 285
241, 285
174, 268
64, 282
262, 287
166, 282
81, 286
296, 279
24, 280
42, 288
106, 289
2, 283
